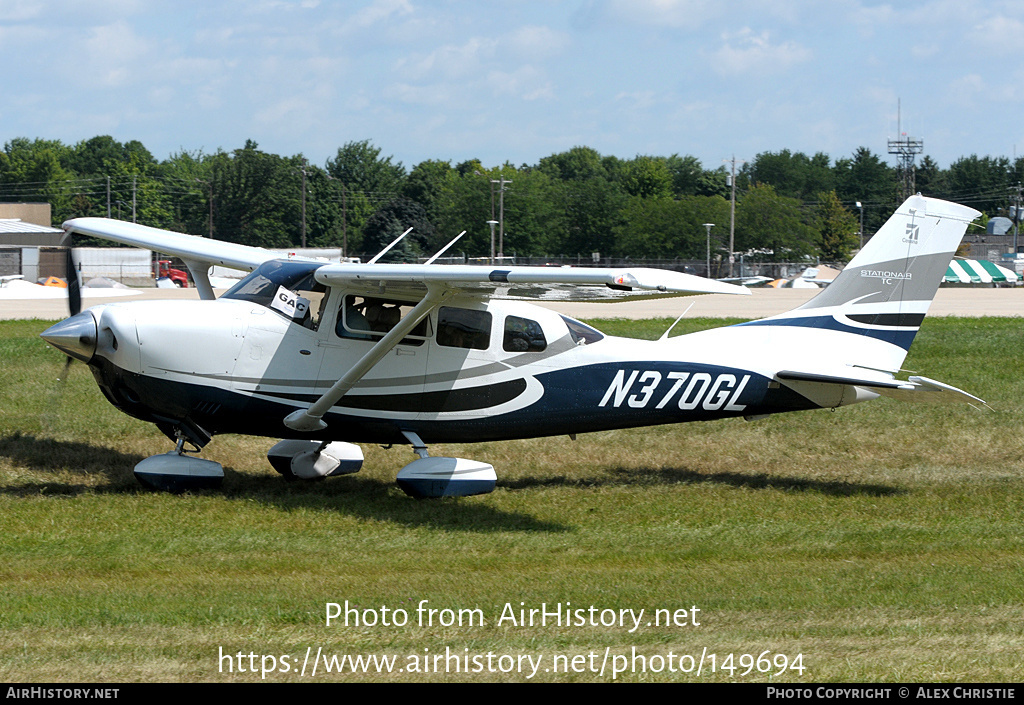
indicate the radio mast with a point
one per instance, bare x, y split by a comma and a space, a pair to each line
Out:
906, 149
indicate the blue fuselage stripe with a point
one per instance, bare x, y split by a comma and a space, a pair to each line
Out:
900, 337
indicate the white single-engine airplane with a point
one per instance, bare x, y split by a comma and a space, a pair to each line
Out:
327, 355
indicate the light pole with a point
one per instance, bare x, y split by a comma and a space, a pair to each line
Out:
303, 172
860, 207
501, 217
708, 226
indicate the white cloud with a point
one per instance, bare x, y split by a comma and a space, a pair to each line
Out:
112, 55
377, 12
998, 33
677, 14
536, 42
525, 83
745, 52
968, 90
447, 61
19, 10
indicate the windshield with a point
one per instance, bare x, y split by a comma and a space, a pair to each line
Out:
581, 333
283, 286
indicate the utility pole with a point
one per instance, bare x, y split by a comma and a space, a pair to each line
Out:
732, 211
1017, 217
708, 227
501, 214
303, 170
344, 224
492, 223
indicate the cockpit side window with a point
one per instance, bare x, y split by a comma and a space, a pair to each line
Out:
523, 335
286, 287
370, 318
463, 328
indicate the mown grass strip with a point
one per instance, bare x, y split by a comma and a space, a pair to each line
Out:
883, 541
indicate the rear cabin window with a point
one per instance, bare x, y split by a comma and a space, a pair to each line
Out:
523, 335
370, 318
463, 328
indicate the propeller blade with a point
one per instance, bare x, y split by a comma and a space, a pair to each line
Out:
74, 287
67, 369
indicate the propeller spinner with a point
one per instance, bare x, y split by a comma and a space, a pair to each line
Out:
75, 336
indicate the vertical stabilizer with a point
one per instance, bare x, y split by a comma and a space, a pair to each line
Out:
885, 291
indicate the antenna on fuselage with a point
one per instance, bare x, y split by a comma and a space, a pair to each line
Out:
665, 334
445, 248
393, 243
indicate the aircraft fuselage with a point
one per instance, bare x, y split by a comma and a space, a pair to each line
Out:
233, 366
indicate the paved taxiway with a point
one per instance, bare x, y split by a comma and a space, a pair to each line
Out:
958, 301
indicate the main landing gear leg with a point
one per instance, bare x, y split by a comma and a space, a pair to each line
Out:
443, 477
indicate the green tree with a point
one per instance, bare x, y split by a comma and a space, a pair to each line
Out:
391, 220
593, 210
837, 228
140, 194
187, 177
930, 179
369, 182
663, 228
533, 218
427, 184
256, 197
982, 182
774, 225
578, 164
360, 167
792, 174
866, 178
646, 177
32, 170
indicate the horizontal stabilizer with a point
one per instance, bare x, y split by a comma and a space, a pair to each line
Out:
915, 389
929, 390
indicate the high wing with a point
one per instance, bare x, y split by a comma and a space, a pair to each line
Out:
534, 283
196, 252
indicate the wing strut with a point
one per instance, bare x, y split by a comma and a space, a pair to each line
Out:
201, 276
311, 419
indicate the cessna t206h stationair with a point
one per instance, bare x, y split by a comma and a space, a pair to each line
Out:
328, 355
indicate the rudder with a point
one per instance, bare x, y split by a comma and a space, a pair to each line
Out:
886, 290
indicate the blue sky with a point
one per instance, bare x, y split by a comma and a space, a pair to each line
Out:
517, 81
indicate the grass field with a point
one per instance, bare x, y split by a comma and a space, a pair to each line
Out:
882, 542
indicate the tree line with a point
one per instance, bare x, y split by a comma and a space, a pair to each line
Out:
789, 205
